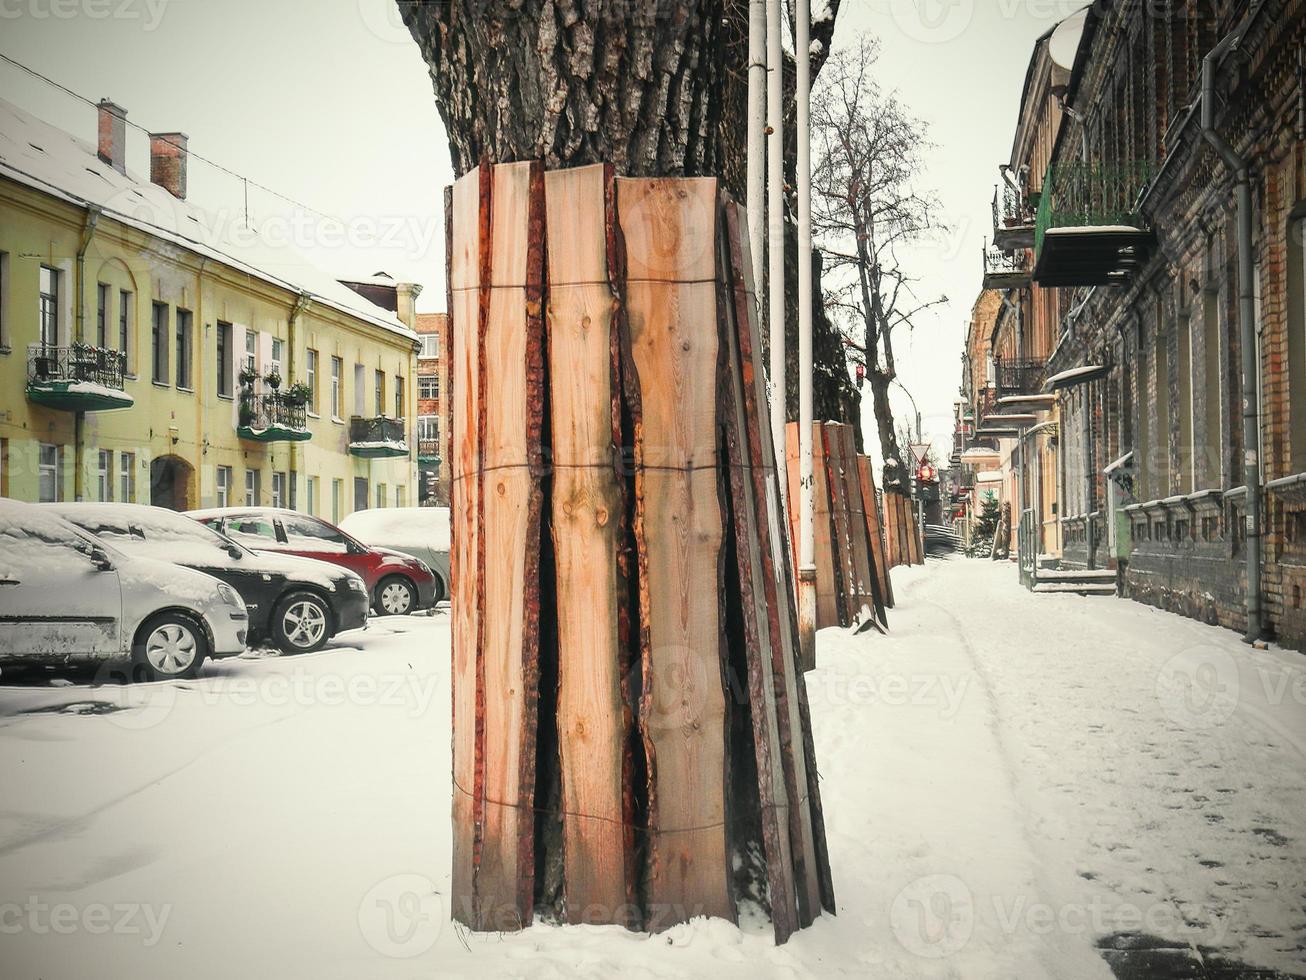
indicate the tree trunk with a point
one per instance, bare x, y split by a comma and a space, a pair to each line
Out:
895, 476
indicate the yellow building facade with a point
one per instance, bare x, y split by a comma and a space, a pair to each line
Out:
111, 299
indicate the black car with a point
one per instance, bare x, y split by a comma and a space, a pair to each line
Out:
297, 603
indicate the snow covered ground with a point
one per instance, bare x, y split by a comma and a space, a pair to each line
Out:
1007, 779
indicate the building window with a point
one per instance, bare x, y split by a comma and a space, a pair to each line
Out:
124, 321
101, 315
49, 312
224, 486
106, 474
127, 477
278, 489
380, 495
360, 493
428, 427
50, 471
184, 322
430, 346
225, 365
310, 494
337, 499
428, 386
251, 488
401, 496
380, 393
310, 378
275, 366
159, 343
337, 404
399, 397
251, 351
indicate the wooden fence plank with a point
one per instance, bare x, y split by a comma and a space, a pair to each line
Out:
827, 608
840, 553
587, 504
875, 530
865, 593
669, 229
464, 276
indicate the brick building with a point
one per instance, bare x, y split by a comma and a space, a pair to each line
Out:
1136, 247
432, 423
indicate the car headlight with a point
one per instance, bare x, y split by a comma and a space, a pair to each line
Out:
357, 584
230, 596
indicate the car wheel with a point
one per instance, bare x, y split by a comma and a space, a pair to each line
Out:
169, 646
301, 623
395, 596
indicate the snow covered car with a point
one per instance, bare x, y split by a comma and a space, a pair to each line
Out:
297, 603
422, 532
397, 582
66, 597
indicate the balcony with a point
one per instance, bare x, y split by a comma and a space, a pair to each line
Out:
1088, 230
79, 378
1019, 377
1006, 270
428, 450
272, 417
380, 437
1013, 219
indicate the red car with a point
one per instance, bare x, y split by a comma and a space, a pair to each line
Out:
398, 583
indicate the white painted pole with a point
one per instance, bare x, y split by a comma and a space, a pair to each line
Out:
807, 505
757, 142
775, 233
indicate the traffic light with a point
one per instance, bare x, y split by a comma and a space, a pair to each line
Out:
926, 473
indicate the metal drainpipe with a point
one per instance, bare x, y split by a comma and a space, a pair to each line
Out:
79, 418
1246, 328
296, 451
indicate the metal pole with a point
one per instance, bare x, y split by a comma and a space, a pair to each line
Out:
807, 511
775, 233
757, 141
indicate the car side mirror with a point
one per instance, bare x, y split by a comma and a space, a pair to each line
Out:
355, 549
233, 551
100, 559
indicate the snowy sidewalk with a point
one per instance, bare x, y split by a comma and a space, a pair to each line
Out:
1007, 780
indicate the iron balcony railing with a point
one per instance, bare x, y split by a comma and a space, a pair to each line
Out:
1010, 208
1092, 194
986, 403
271, 410
1023, 377
428, 448
380, 429
999, 262
76, 363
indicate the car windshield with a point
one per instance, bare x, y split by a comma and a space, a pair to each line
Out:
172, 536
23, 526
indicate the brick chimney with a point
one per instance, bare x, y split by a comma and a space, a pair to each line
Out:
113, 135
168, 162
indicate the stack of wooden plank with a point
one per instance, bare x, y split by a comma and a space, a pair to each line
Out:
852, 581
902, 531
631, 740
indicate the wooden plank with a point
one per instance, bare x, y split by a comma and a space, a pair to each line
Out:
827, 611
669, 230
806, 823
512, 386
875, 530
864, 592
587, 504
748, 474
840, 558
464, 277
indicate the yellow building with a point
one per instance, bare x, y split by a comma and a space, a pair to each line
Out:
142, 340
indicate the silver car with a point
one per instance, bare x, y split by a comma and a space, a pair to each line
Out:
66, 597
422, 532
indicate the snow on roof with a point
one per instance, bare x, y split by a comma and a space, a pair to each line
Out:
44, 157
1087, 229
989, 476
975, 452
1086, 372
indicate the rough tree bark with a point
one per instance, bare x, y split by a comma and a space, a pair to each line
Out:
652, 87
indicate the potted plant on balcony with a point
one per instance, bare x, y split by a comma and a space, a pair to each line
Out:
272, 379
297, 395
248, 375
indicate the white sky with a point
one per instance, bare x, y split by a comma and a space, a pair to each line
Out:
329, 103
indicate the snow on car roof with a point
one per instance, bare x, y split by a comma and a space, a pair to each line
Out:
391, 525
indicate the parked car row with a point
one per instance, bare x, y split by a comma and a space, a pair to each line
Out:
97, 582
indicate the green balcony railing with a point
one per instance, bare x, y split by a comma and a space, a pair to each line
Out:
1090, 195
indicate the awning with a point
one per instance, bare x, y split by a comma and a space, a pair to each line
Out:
1008, 420
1030, 403
1124, 460
1075, 376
